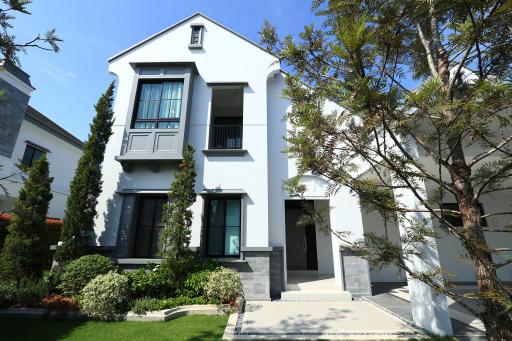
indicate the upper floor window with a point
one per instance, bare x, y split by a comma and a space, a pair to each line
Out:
196, 36
159, 105
31, 155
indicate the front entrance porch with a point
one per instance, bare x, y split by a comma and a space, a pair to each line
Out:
309, 286
309, 257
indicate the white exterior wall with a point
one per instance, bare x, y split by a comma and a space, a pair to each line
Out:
220, 60
63, 158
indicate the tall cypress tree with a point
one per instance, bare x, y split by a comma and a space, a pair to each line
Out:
177, 215
23, 254
78, 226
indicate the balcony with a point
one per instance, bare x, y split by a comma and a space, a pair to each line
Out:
226, 136
225, 140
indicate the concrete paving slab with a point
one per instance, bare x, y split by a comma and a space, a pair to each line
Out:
317, 320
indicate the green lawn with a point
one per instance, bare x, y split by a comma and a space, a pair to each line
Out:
184, 328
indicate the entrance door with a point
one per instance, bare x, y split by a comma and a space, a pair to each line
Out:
300, 241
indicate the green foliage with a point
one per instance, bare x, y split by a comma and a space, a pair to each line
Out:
81, 271
224, 285
9, 46
142, 305
105, 297
195, 283
25, 293
86, 185
49, 234
152, 282
25, 250
177, 217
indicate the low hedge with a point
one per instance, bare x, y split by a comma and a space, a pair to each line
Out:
145, 304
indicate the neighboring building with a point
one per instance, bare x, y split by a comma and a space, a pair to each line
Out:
200, 83
26, 135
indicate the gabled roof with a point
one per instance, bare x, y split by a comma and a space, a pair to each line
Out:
44, 122
181, 22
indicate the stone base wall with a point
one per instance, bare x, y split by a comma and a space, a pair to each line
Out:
254, 271
356, 275
276, 272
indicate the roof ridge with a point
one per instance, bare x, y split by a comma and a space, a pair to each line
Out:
142, 42
42, 119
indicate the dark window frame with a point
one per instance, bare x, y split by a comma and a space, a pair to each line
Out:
199, 29
32, 159
207, 225
156, 120
153, 226
456, 220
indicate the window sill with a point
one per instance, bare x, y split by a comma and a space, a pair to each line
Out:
226, 259
224, 152
139, 261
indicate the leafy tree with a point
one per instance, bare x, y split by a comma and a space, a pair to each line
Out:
9, 47
78, 225
24, 251
435, 74
177, 216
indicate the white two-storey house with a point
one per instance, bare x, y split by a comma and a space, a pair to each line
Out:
199, 83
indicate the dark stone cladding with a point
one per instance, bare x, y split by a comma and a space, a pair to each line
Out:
13, 105
126, 223
276, 272
261, 273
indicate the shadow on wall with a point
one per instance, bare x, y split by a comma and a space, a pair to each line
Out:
111, 217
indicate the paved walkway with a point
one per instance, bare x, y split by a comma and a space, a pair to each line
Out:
316, 320
397, 301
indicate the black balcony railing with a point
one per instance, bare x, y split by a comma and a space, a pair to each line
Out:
226, 136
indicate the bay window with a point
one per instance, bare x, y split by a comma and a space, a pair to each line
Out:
159, 105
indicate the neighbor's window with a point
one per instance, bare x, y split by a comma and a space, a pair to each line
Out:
223, 228
159, 105
455, 219
195, 38
31, 155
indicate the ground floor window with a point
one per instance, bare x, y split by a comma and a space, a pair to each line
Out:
149, 226
223, 226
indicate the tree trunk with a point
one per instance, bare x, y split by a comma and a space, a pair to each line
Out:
494, 314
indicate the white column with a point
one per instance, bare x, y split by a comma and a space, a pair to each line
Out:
429, 309
345, 216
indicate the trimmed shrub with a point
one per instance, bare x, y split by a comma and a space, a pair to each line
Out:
7, 293
25, 293
50, 233
151, 282
223, 285
105, 297
142, 305
58, 302
81, 271
194, 284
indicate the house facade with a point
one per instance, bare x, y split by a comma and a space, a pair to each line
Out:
199, 83
26, 135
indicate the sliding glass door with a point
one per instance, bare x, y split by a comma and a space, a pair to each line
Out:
223, 228
149, 227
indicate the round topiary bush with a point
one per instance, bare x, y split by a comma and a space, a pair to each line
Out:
105, 297
223, 285
81, 271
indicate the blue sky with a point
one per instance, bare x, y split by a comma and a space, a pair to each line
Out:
70, 82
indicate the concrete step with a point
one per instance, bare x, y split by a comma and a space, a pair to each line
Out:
336, 295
